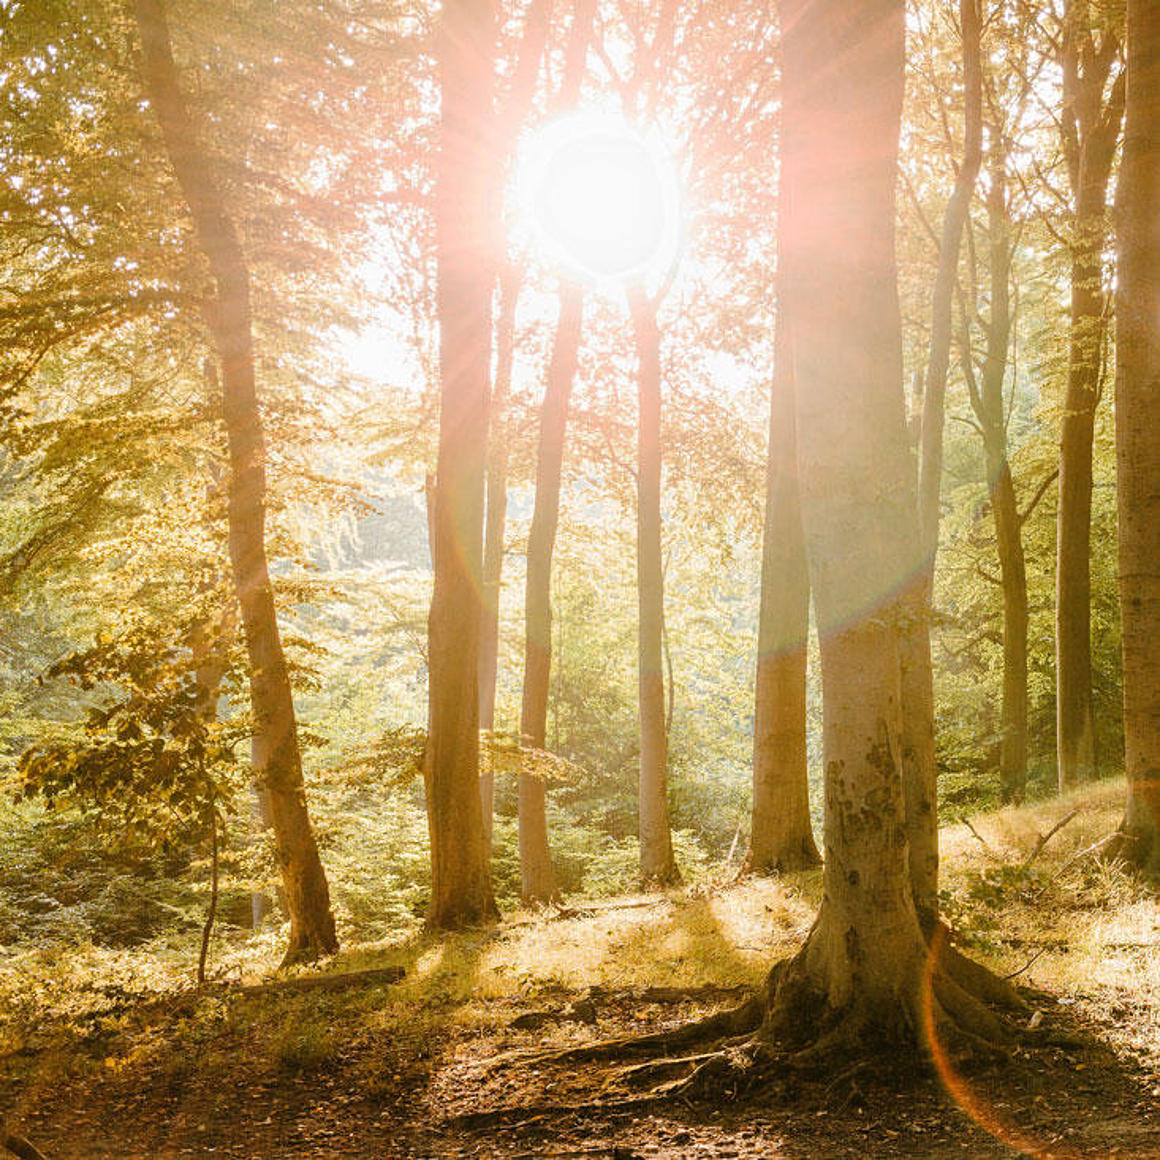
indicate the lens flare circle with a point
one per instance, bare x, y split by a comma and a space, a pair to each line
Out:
601, 198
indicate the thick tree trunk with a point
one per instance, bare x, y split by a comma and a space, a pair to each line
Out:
465, 207
1138, 431
493, 539
657, 863
781, 837
920, 774
1090, 132
862, 965
538, 881
277, 761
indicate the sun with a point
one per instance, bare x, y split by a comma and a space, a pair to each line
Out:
600, 198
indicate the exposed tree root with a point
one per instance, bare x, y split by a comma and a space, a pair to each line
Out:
957, 1010
732, 1022
521, 1115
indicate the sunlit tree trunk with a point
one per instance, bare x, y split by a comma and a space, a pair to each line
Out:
781, 836
1138, 430
277, 761
920, 775
538, 881
537, 878
466, 190
862, 978
988, 404
657, 863
1090, 129
842, 99
493, 538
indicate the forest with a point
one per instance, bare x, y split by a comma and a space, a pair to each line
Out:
579, 578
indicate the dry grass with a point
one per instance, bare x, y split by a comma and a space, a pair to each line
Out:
1067, 923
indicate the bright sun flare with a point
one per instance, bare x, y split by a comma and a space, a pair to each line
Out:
600, 198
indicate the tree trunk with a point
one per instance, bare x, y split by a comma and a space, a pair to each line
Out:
538, 881
987, 402
781, 837
862, 978
537, 878
278, 763
1090, 132
656, 843
493, 545
466, 191
919, 772
1138, 431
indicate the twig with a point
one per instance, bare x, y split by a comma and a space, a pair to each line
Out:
1016, 974
982, 841
1048, 836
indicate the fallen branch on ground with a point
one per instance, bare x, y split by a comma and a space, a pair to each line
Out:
19, 1146
1048, 836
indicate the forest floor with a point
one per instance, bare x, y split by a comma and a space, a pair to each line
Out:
445, 1063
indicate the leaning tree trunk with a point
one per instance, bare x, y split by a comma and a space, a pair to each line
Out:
862, 975
1138, 430
1090, 130
657, 863
465, 216
919, 772
537, 879
781, 837
277, 761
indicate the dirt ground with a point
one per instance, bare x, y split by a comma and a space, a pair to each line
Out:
430, 1088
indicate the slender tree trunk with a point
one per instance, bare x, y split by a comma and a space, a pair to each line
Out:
781, 837
538, 881
988, 404
278, 763
466, 192
656, 843
1138, 430
920, 774
493, 539
537, 878
1013, 572
1090, 132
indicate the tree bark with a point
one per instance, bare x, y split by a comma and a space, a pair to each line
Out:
1138, 432
863, 978
920, 774
988, 404
657, 863
537, 879
466, 192
1091, 128
781, 837
277, 760
493, 539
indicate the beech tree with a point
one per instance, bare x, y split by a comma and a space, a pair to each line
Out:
466, 193
864, 974
537, 878
920, 773
276, 756
781, 836
1093, 107
1137, 429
